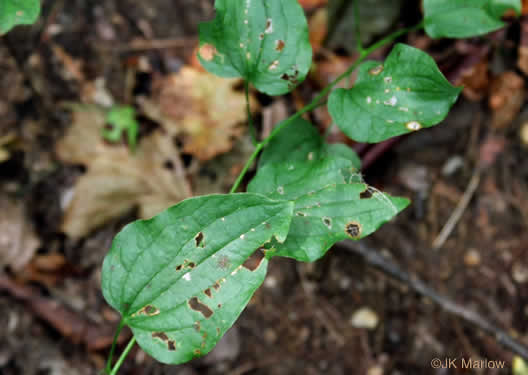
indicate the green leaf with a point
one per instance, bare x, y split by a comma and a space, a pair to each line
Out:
181, 279
330, 204
466, 18
265, 42
519, 367
300, 141
17, 12
405, 94
122, 119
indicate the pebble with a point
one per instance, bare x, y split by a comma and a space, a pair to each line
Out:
364, 318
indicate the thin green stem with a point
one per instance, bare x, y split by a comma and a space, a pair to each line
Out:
317, 101
250, 161
123, 356
114, 344
252, 130
357, 22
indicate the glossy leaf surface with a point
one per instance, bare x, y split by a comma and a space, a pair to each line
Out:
405, 94
330, 204
466, 18
181, 279
301, 141
263, 41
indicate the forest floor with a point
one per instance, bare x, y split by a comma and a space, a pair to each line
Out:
60, 209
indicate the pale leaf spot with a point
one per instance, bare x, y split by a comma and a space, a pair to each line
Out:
413, 126
376, 70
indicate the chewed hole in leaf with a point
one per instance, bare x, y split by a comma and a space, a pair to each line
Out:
353, 230
367, 194
208, 292
200, 240
171, 345
148, 310
269, 26
328, 222
254, 261
196, 305
160, 335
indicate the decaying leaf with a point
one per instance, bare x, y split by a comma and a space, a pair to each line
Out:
475, 81
506, 99
18, 241
318, 25
204, 110
117, 180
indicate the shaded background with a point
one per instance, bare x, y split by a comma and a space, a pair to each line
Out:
65, 192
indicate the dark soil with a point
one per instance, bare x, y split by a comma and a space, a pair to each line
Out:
299, 322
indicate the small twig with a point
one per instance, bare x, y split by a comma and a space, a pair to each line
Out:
374, 259
459, 210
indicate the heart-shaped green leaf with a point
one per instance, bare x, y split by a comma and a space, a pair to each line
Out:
405, 94
300, 141
466, 18
330, 204
265, 42
181, 279
17, 12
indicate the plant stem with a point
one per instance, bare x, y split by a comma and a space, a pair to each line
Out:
316, 102
252, 130
114, 344
357, 19
123, 356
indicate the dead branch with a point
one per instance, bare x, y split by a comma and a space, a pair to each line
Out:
375, 260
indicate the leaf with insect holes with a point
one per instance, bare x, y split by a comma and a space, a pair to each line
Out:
17, 12
466, 18
303, 142
265, 42
181, 279
405, 94
331, 204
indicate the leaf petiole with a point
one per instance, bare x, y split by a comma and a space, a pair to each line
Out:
114, 344
123, 356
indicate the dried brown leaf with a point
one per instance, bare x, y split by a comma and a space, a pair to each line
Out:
204, 110
117, 180
475, 80
506, 99
318, 26
18, 241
